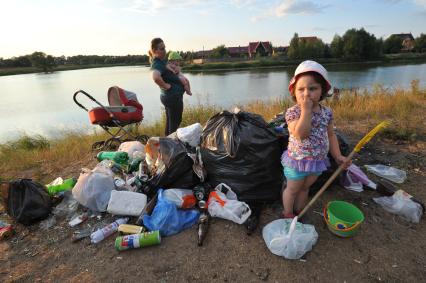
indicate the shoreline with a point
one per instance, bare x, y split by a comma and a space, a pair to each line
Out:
260, 64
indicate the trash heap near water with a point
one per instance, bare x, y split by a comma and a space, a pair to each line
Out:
228, 169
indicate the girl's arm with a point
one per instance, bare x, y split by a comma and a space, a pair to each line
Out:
334, 147
156, 76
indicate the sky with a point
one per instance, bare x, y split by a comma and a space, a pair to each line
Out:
121, 27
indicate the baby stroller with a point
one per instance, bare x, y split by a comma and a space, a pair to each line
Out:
124, 110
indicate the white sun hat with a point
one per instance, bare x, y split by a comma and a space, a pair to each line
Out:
309, 66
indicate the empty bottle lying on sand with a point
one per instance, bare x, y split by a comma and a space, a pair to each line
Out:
107, 231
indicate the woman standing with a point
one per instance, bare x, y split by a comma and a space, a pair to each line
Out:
171, 87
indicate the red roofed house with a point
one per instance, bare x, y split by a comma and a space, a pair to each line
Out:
308, 38
407, 41
261, 48
238, 52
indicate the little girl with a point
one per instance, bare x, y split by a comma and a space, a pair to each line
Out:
174, 66
311, 136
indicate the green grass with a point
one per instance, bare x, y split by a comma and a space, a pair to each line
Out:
406, 108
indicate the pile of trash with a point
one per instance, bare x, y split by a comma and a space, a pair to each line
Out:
228, 169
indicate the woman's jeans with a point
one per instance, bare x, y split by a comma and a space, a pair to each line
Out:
174, 109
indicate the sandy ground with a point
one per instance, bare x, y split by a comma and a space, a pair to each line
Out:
387, 248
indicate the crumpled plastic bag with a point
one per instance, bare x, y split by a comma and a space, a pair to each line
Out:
390, 173
223, 203
182, 198
93, 188
402, 206
168, 219
354, 179
288, 238
190, 134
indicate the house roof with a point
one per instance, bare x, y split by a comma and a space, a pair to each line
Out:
308, 38
238, 50
254, 45
404, 36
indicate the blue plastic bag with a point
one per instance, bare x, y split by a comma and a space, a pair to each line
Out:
167, 218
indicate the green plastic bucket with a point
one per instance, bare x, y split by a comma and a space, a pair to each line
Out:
343, 218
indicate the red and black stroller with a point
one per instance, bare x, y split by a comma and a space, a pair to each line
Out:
124, 110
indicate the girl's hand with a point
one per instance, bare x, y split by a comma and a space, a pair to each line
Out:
305, 102
166, 86
343, 160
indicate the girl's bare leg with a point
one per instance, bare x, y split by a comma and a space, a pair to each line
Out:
290, 193
302, 197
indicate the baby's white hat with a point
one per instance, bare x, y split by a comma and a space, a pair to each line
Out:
309, 66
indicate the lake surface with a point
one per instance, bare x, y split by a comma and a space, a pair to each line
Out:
42, 103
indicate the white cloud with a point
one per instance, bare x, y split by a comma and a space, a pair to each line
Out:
421, 3
152, 6
287, 7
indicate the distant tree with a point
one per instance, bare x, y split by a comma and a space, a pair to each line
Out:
420, 43
219, 52
392, 44
336, 47
293, 49
359, 44
42, 61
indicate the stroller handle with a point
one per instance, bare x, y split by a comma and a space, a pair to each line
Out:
89, 96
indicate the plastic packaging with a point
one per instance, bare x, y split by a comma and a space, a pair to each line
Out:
65, 185
130, 229
116, 156
168, 219
288, 238
137, 241
126, 203
131, 147
190, 134
100, 234
390, 173
93, 189
223, 203
401, 204
354, 179
180, 197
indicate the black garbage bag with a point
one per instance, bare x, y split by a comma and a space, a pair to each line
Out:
178, 172
239, 149
28, 201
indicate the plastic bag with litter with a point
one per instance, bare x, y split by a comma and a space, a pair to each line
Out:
390, 173
288, 238
223, 203
401, 205
354, 179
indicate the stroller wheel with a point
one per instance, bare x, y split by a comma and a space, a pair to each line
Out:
142, 138
112, 144
98, 146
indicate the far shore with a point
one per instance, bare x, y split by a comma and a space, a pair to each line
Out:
262, 63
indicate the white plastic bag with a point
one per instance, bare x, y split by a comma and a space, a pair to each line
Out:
190, 134
93, 188
181, 197
354, 179
226, 205
390, 173
401, 205
288, 238
126, 203
131, 147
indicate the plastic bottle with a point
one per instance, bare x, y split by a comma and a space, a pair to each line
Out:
66, 185
107, 231
119, 157
138, 240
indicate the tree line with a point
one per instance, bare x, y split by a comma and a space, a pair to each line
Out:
47, 62
353, 45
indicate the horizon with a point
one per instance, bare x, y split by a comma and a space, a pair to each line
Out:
111, 28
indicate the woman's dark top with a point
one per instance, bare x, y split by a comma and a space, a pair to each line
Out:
168, 77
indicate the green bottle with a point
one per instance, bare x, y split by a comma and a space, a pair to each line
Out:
66, 185
119, 157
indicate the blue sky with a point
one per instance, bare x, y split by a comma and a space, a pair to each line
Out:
113, 27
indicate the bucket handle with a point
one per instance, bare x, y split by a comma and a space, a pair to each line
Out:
343, 230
